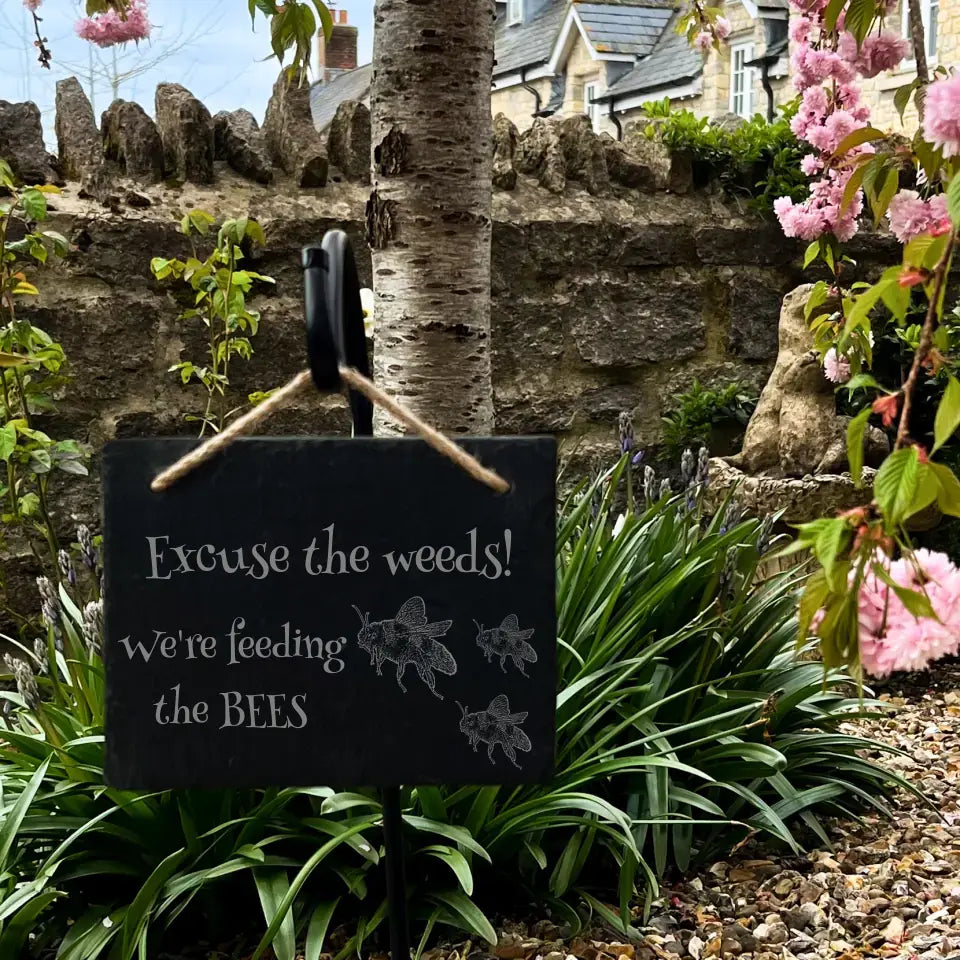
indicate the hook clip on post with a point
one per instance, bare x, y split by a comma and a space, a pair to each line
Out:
334, 315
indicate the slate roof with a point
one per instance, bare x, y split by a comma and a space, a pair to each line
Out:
615, 28
529, 44
326, 97
672, 61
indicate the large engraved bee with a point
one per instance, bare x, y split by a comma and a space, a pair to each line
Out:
408, 639
496, 725
507, 640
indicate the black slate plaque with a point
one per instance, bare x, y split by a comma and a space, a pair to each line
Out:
326, 611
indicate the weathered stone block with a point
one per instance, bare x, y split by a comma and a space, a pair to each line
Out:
658, 244
79, 144
643, 321
540, 154
292, 139
131, 139
583, 153
238, 140
752, 243
186, 131
348, 141
504, 148
21, 143
755, 298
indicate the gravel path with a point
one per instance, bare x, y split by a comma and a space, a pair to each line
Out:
885, 890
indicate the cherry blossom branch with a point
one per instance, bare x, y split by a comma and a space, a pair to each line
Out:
926, 341
43, 51
919, 40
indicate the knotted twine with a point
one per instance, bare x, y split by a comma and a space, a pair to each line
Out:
356, 381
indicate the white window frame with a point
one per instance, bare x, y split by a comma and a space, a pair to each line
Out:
926, 8
592, 89
514, 12
745, 94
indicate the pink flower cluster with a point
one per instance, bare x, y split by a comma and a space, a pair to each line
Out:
941, 121
704, 39
892, 638
877, 53
32, 5
110, 28
836, 369
831, 109
910, 215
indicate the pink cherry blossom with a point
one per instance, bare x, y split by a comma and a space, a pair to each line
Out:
876, 54
703, 41
910, 216
892, 638
110, 28
721, 28
800, 29
941, 122
811, 165
836, 369
32, 5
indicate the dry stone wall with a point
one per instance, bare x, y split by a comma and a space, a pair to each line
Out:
614, 285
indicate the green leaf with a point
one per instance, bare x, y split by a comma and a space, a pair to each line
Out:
468, 912
856, 430
831, 539
317, 930
139, 912
953, 200
948, 414
916, 602
831, 13
818, 296
901, 98
34, 204
273, 886
860, 17
457, 862
948, 496
8, 440
813, 251
890, 186
811, 600
896, 484
859, 137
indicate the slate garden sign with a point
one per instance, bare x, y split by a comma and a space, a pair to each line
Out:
320, 611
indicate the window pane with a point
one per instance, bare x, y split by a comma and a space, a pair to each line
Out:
931, 25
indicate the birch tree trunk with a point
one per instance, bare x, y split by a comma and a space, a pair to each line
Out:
428, 217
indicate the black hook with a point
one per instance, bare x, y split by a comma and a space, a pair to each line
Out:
334, 315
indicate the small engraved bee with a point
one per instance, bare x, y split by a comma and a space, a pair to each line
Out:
408, 639
507, 640
496, 725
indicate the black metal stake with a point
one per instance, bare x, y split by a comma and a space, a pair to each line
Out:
335, 335
396, 879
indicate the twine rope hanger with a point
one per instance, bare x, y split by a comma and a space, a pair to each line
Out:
356, 381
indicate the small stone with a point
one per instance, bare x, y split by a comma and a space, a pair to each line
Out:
784, 886
134, 198
695, 947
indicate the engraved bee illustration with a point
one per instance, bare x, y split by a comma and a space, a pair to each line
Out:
408, 639
496, 725
507, 640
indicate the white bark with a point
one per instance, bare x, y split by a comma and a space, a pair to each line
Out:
429, 213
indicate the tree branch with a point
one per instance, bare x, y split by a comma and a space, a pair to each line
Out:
926, 341
919, 40
43, 51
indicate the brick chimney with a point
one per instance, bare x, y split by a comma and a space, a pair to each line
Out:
338, 54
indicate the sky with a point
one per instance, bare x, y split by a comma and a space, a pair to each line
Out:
207, 45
